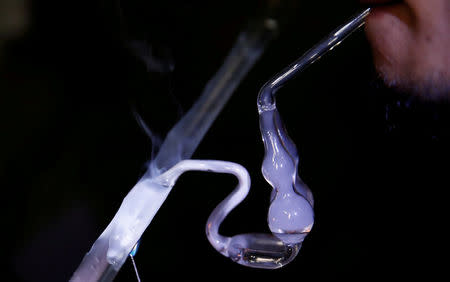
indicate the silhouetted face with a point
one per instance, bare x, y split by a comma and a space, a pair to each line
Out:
410, 42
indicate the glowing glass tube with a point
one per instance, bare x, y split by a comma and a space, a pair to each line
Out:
291, 214
138, 208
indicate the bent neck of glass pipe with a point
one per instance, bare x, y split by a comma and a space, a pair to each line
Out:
266, 97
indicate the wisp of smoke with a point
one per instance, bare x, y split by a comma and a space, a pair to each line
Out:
138, 208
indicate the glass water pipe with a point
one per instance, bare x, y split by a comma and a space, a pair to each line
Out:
291, 215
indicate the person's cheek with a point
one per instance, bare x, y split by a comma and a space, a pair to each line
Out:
432, 36
390, 31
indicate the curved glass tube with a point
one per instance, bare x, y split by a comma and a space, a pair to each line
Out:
266, 98
291, 214
138, 208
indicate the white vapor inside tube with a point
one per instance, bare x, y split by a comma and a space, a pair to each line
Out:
139, 207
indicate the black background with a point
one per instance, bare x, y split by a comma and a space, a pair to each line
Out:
71, 149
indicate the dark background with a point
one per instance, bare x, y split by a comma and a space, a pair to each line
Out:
70, 148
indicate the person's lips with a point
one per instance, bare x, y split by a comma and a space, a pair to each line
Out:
397, 8
384, 6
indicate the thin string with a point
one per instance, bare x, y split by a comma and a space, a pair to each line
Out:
135, 268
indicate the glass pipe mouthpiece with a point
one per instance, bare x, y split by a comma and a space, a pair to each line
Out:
266, 98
